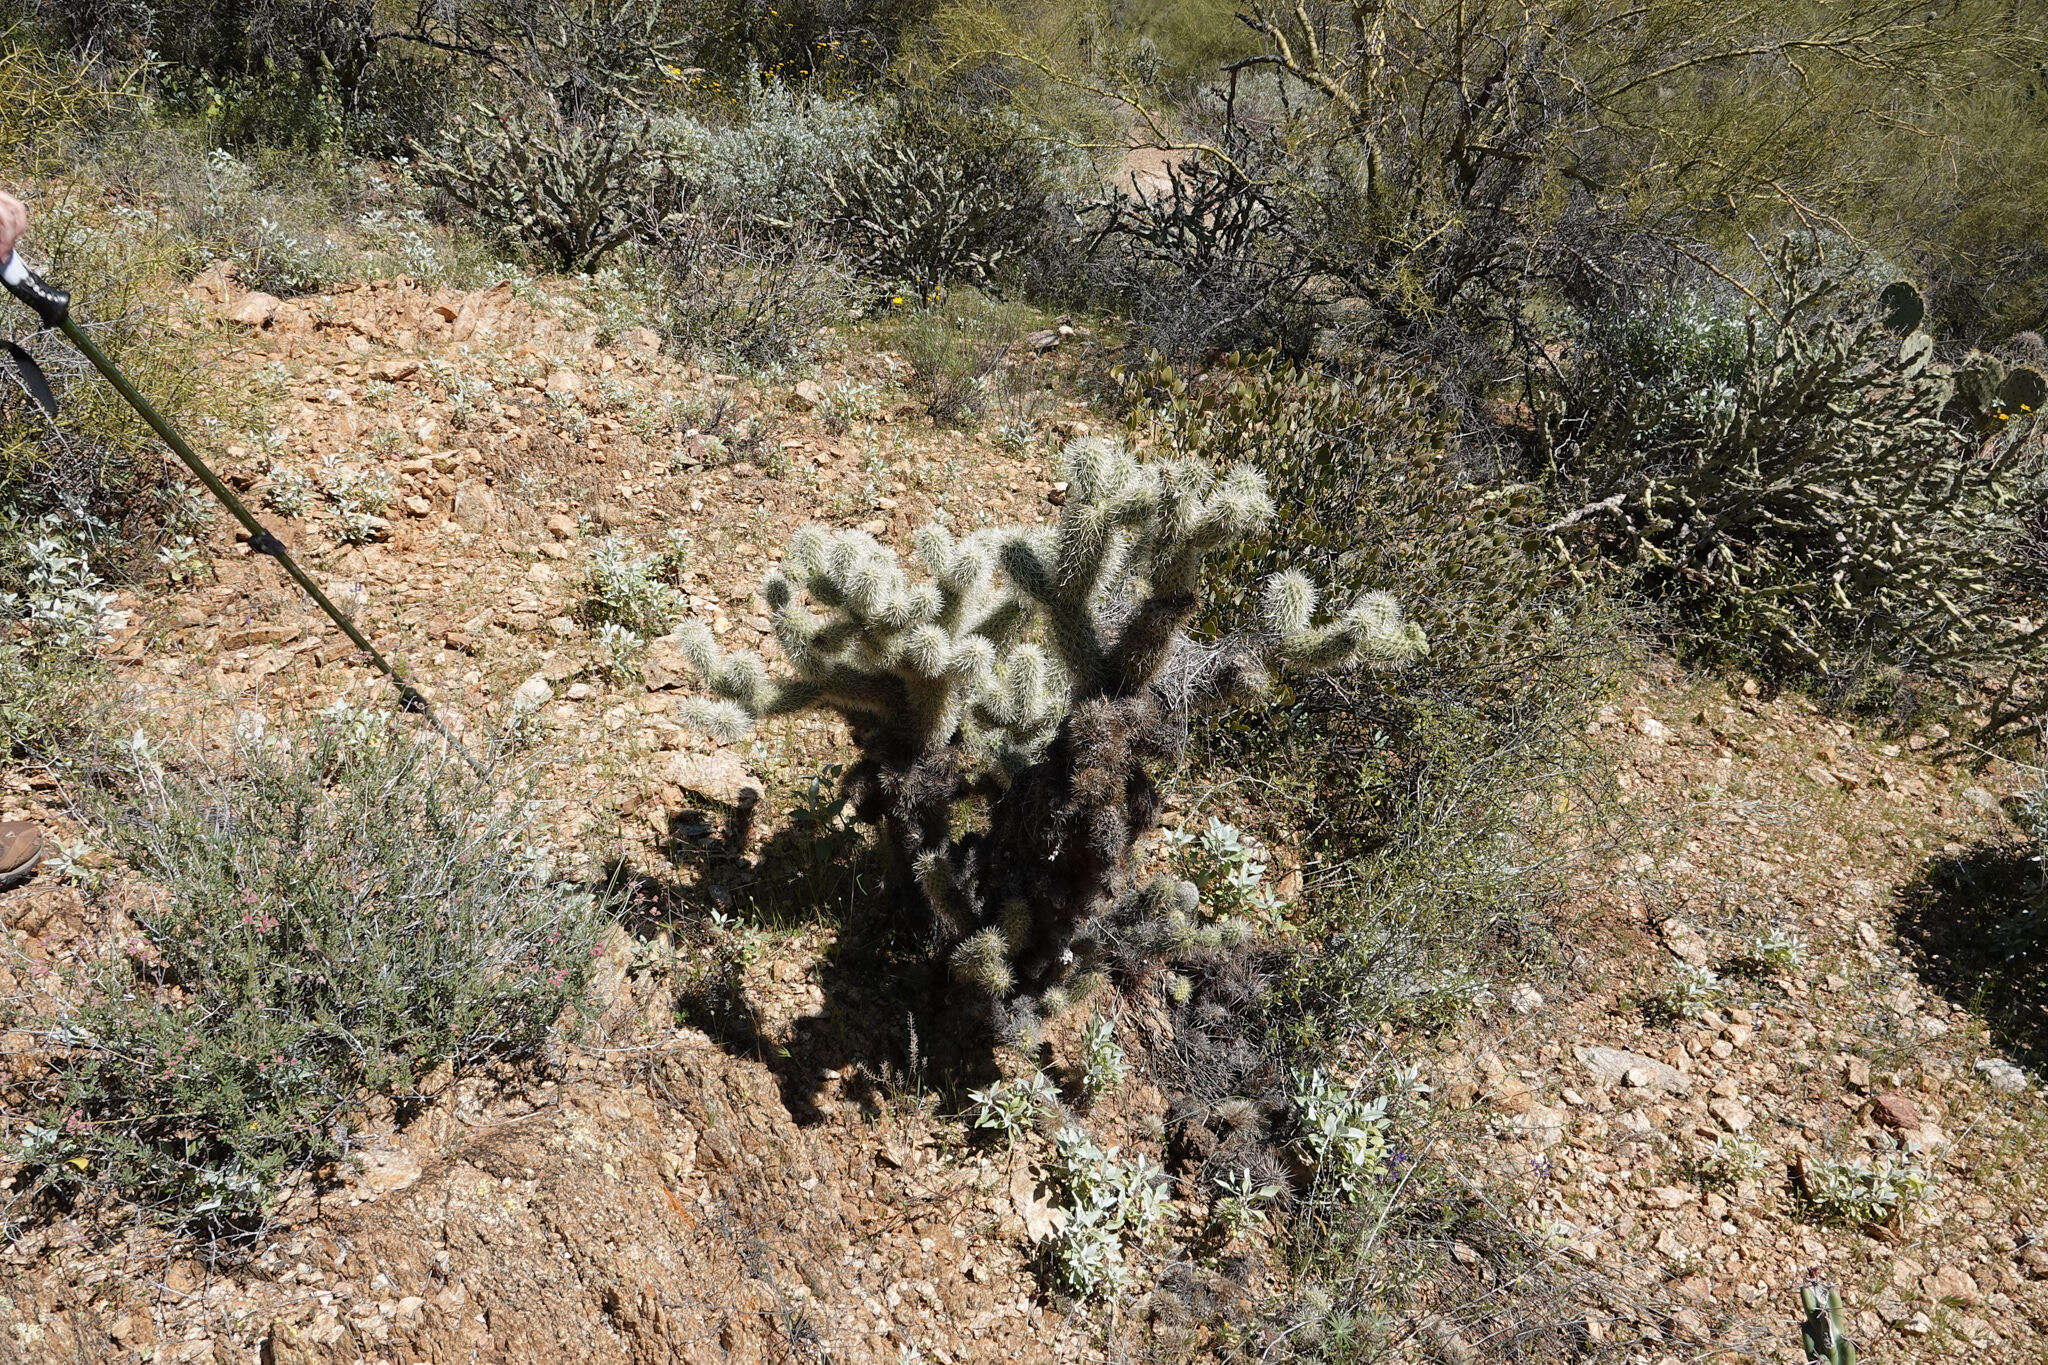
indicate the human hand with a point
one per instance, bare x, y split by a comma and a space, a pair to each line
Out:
13, 223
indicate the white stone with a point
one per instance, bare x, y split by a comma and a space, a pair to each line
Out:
2002, 1075
531, 695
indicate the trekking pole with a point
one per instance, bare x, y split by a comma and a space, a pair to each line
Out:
53, 306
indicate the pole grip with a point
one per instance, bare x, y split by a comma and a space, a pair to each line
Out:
48, 302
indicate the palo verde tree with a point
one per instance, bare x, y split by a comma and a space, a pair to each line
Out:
1050, 672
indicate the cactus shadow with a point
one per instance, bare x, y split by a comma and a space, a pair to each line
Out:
879, 1031
1978, 921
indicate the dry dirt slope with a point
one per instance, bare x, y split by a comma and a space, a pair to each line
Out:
654, 1196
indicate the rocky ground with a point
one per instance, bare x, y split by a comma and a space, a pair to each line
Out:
664, 1192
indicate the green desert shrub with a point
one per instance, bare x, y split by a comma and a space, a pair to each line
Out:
1807, 485
745, 289
955, 346
333, 918
1427, 804
770, 157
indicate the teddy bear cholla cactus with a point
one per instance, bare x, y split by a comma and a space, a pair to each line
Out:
1049, 670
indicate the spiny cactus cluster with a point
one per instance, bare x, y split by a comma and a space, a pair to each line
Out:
1049, 671
928, 217
1821, 1333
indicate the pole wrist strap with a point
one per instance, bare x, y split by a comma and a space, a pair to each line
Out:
49, 303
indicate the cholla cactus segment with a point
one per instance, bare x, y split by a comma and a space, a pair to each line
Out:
883, 647
1372, 628
983, 962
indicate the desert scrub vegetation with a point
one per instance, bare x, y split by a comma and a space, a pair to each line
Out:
1047, 671
1805, 481
334, 922
1415, 801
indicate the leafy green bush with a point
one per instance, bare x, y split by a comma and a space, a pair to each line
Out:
773, 156
1811, 493
334, 917
756, 293
1111, 1208
1860, 1192
955, 346
54, 701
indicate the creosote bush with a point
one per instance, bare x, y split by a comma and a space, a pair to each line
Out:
333, 918
1047, 671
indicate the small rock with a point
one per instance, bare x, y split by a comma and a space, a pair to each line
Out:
1650, 728
1896, 1112
384, 1172
663, 666
1667, 1197
1613, 1066
719, 776
699, 448
1545, 1124
254, 310
565, 627
642, 340
1732, 1113
561, 527
1685, 943
531, 695
564, 381
1525, 999
418, 506
395, 371
1983, 800
2002, 1075
807, 394
476, 507
1952, 1284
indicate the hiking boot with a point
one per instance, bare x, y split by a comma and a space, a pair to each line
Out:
21, 848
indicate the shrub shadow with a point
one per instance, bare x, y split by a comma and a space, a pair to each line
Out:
1975, 919
884, 1029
